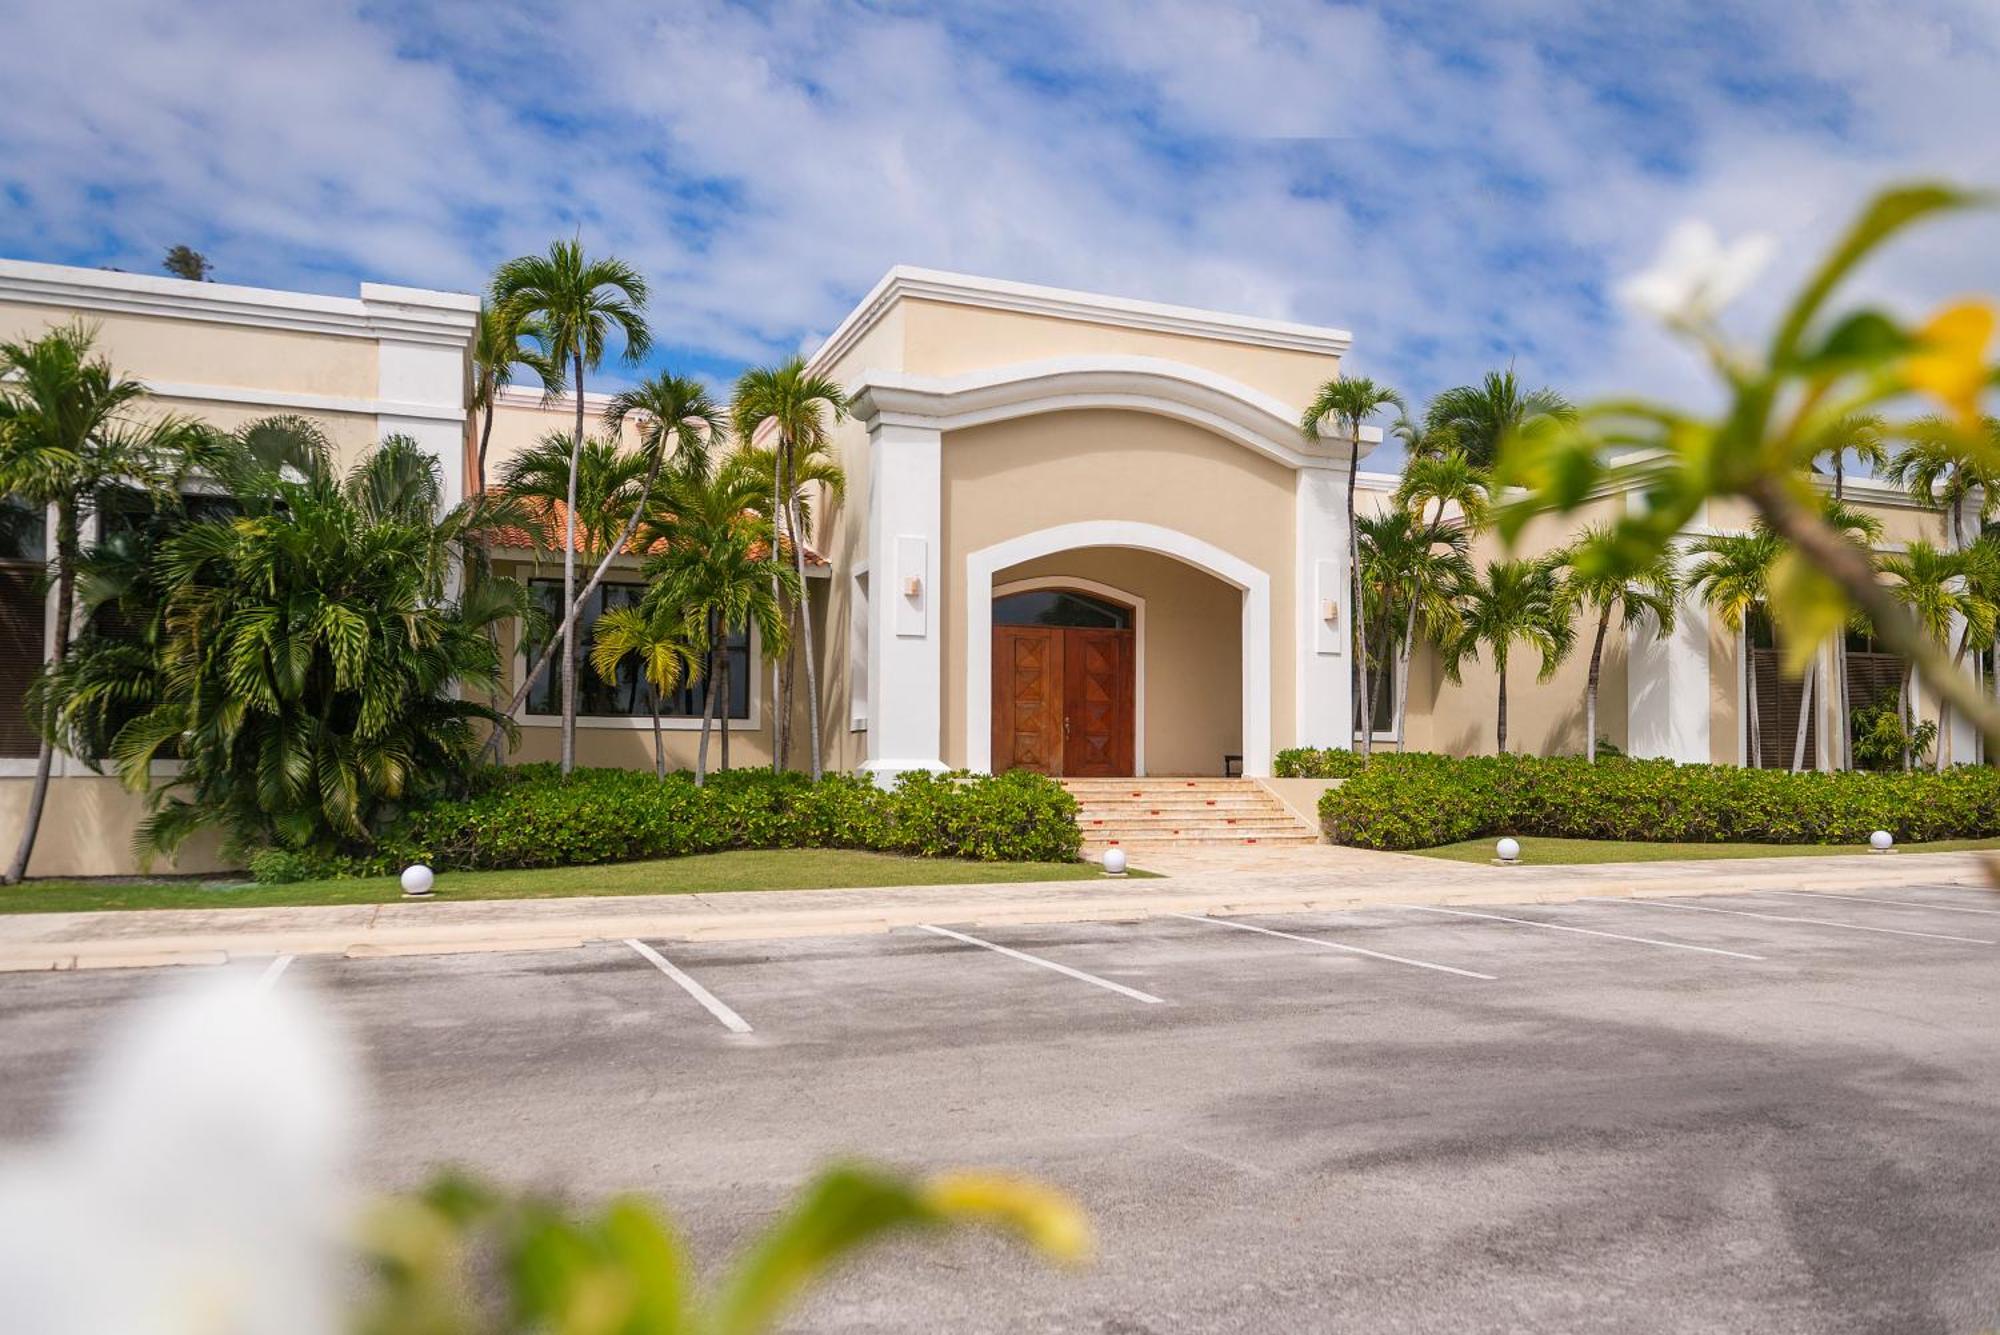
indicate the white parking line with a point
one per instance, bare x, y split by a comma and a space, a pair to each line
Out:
1869, 899
1784, 917
269, 977
1335, 945
1581, 931
731, 1021
1078, 974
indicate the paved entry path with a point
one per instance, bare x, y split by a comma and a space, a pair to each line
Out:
1303, 878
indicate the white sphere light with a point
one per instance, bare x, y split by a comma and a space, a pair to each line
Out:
417, 879
1509, 849
1881, 841
1114, 862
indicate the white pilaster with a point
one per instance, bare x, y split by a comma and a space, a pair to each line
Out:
905, 598
422, 371
1322, 676
1667, 688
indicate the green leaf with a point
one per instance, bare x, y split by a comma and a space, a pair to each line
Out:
1864, 339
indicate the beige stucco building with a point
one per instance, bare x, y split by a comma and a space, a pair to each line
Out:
1080, 534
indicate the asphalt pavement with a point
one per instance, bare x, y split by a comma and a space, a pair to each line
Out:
1770, 1112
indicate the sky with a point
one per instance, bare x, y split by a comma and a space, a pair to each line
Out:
1462, 185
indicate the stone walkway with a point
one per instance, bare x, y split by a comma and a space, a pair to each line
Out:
1242, 881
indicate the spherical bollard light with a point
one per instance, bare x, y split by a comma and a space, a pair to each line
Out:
417, 880
1881, 841
1509, 849
1114, 862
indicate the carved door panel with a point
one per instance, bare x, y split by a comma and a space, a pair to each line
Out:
1027, 699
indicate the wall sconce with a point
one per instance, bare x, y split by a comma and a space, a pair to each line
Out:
1329, 610
912, 587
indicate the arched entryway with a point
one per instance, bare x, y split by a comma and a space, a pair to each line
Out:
1065, 680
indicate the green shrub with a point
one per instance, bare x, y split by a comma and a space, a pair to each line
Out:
531, 816
1419, 801
1312, 762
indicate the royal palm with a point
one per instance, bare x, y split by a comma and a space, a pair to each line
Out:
1646, 598
1514, 602
578, 303
797, 407
1480, 418
1346, 404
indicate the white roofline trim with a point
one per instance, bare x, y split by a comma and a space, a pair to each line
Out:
527, 396
908, 281
403, 314
1191, 394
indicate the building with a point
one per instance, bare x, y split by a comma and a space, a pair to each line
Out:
1082, 534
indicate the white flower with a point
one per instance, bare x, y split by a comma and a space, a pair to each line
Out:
197, 1188
1696, 275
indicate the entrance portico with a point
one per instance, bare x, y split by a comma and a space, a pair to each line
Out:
972, 477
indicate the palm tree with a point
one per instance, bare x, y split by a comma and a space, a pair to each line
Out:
1931, 583
69, 429
1864, 531
609, 493
711, 567
1442, 478
1481, 417
312, 660
497, 349
1516, 602
797, 406
1863, 435
1345, 403
577, 302
1732, 575
1649, 595
1413, 571
658, 640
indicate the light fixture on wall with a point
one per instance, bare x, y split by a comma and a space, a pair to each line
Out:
1329, 610
912, 586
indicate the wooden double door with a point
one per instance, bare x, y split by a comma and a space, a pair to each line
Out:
1063, 700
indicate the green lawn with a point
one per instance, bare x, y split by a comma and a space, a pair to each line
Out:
750, 869
1559, 852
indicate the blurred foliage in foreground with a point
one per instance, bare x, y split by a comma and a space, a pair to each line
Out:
1831, 378
463, 1259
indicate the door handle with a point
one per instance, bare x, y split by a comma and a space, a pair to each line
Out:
1065, 727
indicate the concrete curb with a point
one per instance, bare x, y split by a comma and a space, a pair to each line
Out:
89, 941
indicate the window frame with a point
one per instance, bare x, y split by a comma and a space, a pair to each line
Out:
668, 722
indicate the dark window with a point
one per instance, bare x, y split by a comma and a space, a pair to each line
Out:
23, 621
627, 697
1385, 698
1060, 607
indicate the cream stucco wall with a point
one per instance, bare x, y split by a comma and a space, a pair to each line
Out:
87, 828
1018, 477
1192, 660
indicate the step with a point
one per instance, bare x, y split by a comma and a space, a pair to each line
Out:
1262, 820
1137, 846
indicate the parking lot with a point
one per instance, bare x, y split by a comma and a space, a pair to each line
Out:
1771, 1111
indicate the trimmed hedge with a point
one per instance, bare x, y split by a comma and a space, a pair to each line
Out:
1311, 762
531, 816
1422, 800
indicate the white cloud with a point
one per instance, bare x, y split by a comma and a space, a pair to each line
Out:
1459, 188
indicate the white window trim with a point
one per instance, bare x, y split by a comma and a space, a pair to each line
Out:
1118, 595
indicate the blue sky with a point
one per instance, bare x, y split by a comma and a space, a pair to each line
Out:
1461, 184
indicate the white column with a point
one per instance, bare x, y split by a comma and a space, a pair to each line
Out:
422, 372
1323, 680
905, 598
1667, 688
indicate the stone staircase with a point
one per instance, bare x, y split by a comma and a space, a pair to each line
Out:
1145, 815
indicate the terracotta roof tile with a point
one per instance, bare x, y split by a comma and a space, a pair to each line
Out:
550, 538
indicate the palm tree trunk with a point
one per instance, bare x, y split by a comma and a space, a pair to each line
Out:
1590, 686
485, 438
1805, 715
1904, 715
1403, 654
67, 549
722, 695
569, 581
1500, 723
1360, 615
707, 719
1841, 752
659, 742
806, 621
781, 716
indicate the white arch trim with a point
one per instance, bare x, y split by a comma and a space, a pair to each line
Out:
1254, 584
1116, 595
1191, 394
